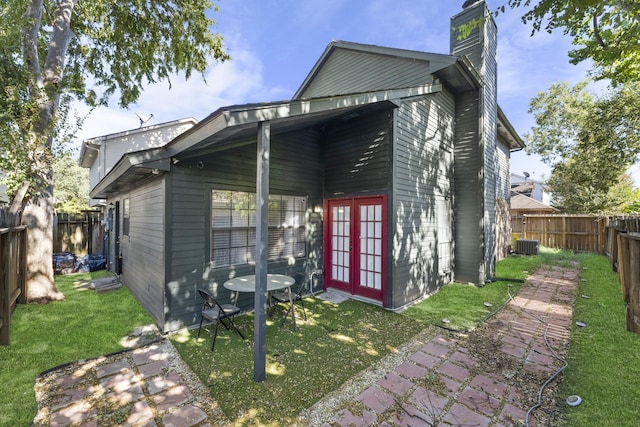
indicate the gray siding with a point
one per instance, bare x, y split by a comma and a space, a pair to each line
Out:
295, 169
357, 155
423, 173
348, 71
468, 200
471, 46
144, 248
481, 48
490, 131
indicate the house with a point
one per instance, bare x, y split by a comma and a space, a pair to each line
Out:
523, 184
4, 199
388, 170
102, 153
522, 205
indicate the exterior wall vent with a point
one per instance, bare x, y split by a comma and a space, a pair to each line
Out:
527, 247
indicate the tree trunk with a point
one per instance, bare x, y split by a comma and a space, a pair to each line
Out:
38, 217
45, 91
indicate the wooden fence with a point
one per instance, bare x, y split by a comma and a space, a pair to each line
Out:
617, 226
629, 273
617, 237
581, 233
13, 273
80, 234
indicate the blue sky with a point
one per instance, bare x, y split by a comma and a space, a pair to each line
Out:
274, 44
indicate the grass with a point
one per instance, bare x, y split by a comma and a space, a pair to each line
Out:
86, 324
303, 364
463, 306
338, 342
604, 358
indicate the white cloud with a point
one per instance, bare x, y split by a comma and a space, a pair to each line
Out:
237, 81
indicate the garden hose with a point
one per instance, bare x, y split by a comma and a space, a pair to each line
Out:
555, 355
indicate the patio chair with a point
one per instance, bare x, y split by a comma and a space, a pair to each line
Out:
291, 296
218, 314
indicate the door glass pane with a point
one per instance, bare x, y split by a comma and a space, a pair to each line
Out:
340, 243
378, 281
371, 246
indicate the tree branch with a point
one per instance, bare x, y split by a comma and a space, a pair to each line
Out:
15, 209
596, 32
627, 8
58, 45
30, 31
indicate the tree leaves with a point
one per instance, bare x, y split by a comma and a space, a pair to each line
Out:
605, 31
124, 46
115, 48
589, 141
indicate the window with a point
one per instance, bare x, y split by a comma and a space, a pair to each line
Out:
125, 217
233, 228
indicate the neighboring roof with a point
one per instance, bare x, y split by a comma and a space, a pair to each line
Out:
236, 125
523, 178
524, 188
90, 146
521, 203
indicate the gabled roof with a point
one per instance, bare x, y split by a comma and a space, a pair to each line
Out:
524, 188
90, 147
237, 125
432, 61
455, 72
521, 202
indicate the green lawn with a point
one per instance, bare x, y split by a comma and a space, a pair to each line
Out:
604, 358
303, 364
460, 307
86, 324
306, 363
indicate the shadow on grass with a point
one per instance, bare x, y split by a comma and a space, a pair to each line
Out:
84, 325
303, 363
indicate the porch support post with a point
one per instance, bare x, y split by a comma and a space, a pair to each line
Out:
262, 236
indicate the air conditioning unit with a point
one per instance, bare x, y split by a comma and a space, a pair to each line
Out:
527, 247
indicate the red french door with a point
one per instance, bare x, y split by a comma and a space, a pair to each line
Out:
355, 244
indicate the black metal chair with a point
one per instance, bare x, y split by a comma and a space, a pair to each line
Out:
218, 314
291, 296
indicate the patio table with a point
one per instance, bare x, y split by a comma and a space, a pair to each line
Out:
275, 282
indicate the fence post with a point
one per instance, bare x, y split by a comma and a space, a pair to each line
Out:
22, 267
5, 308
629, 274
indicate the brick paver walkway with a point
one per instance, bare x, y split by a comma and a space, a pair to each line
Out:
142, 387
492, 377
